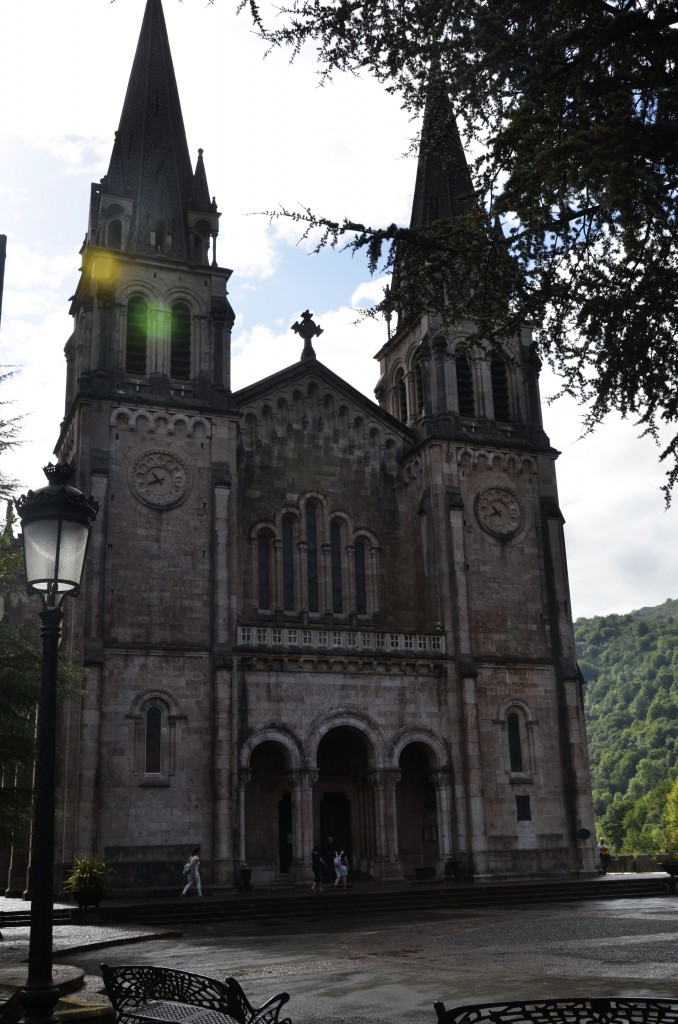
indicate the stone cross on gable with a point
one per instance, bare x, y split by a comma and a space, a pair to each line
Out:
308, 330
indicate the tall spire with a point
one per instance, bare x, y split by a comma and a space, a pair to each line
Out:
443, 188
150, 163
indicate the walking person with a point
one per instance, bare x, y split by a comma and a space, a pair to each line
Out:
192, 869
317, 865
604, 855
340, 868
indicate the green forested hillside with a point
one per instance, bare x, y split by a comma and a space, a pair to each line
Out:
630, 664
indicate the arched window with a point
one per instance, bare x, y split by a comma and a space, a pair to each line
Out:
337, 576
114, 235
465, 397
312, 555
401, 390
137, 336
264, 570
420, 389
500, 390
514, 741
153, 740
360, 578
180, 342
288, 563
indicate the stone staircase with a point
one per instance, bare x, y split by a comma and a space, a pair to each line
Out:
363, 899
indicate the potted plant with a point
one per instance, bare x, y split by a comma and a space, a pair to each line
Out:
88, 881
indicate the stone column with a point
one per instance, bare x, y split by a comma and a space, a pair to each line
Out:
302, 781
243, 779
442, 780
383, 783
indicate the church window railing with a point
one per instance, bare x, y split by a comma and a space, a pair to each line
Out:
403, 644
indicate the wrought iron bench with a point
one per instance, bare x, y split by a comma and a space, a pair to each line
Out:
583, 1010
147, 993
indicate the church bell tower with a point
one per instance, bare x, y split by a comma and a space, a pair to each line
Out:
149, 425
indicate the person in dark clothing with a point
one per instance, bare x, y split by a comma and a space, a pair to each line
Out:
317, 865
328, 855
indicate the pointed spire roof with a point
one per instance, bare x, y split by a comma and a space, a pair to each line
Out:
200, 194
443, 191
443, 188
150, 162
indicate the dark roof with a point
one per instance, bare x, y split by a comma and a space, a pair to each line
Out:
150, 160
443, 188
306, 368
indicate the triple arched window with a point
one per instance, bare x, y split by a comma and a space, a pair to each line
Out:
314, 561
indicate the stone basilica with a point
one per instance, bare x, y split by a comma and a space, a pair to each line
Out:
304, 614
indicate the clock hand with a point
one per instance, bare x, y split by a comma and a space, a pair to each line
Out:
156, 479
495, 511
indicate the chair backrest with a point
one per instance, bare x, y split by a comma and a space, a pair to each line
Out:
564, 1011
129, 985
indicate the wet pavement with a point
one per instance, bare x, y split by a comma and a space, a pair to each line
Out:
394, 965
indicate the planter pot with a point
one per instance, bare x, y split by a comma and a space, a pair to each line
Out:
88, 897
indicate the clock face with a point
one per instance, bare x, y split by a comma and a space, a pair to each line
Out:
499, 512
159, 478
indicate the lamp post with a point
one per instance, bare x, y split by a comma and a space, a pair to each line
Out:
55, 522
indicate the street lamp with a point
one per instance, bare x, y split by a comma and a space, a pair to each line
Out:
55, 523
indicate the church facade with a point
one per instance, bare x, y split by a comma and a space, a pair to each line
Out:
305, 614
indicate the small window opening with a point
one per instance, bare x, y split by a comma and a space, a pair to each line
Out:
515, 746
465, 396
523, 812
180, 342
137, 335
500, 390
153, 738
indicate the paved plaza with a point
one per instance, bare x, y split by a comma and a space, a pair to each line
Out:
394, 965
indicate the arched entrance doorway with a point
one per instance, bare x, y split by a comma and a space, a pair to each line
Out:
417, 812
344, 798
268, 812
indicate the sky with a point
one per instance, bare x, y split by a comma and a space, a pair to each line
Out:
272, 137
